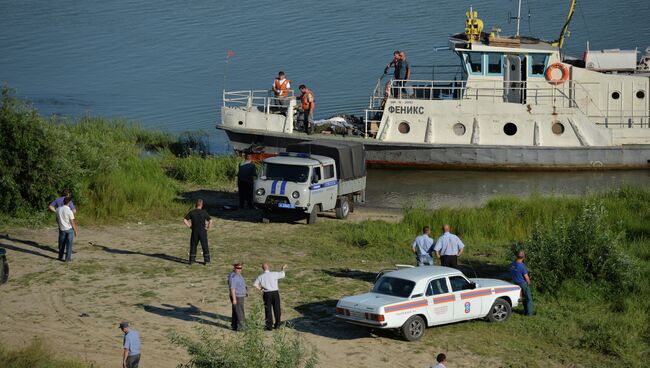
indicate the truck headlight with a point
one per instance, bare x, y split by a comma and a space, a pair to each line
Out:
295, 194
260, 191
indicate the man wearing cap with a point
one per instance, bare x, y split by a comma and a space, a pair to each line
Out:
131, 344
238, 291
268, 283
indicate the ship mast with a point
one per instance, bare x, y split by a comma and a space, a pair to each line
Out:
518, 17
565, 28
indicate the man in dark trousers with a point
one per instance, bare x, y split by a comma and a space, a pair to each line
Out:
307, 104
519, 274
199, 221
268, 283
245, 180
238, 291
448, 248
131, 345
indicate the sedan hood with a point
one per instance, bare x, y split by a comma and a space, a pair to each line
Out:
482, 283
369, 301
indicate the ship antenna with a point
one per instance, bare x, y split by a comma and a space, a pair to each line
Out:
518, 17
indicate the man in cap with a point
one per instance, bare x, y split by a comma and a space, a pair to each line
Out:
131, 344
238, 291
267, 282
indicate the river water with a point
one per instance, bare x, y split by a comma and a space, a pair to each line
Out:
164, 63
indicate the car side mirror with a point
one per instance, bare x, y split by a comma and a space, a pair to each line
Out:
471, 286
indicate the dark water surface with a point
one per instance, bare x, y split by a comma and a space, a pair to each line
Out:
163, 63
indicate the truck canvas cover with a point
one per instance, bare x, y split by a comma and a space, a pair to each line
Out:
350, 157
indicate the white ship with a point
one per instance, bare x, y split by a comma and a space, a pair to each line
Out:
516, 103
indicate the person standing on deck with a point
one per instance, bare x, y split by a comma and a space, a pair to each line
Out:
404, 75
393, 64
448, 248
199, 221
281, 87
307, 104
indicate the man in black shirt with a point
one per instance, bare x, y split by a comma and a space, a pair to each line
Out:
246, 180
199, 221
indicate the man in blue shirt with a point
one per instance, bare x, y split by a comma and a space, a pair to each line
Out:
448, 248
238, 291
422, 247
519, 274
131, 354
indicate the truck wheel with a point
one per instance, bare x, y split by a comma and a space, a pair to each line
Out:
4, 269
343, 210
313, 215
500, 311
413, 328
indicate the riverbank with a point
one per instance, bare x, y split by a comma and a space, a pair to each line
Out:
136, 271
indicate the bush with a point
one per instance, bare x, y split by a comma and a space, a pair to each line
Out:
584, 248
249, 349
36, 355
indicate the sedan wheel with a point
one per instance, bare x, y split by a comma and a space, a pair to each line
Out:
413, 328
500, 311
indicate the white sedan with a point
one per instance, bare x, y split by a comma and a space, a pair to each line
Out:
411, 299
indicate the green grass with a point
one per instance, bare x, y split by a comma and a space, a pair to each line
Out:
36, 355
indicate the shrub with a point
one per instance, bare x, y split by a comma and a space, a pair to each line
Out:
36, 355
249, 349
584, 248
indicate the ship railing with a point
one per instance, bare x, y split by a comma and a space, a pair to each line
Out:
631, 118
371, 122
260, 100
455, 72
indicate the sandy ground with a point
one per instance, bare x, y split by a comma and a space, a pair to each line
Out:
137, 272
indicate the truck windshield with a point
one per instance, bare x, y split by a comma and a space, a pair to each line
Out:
295, 173
394, 286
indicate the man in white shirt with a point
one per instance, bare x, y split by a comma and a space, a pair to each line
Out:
422, 247
267, 282
67, 229
448, 248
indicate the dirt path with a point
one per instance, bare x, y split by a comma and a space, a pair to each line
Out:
137, 272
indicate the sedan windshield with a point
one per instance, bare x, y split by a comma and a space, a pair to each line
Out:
394, 286
295, 173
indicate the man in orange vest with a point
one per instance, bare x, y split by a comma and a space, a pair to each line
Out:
307, 104
281, 87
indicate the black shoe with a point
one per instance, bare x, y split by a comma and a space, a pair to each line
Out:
268, 329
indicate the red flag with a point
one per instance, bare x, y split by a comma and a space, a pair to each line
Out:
230, 53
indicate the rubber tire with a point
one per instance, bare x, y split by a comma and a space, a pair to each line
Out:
413, 328
500, 311
4, 270
343, 210
313, 215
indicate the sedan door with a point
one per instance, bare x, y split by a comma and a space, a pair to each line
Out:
467, 304
440, 302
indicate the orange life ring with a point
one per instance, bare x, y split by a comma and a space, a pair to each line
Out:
549, 73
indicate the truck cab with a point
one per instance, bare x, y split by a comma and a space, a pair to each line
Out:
304, 184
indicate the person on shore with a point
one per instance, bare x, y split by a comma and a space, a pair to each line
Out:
59, 202
131, 345
267, 282
448, 248
307, 104
442, 360
238, 291
281, 87
519, 274
393, 64
245, 180
67, 229
199, 221
423, 247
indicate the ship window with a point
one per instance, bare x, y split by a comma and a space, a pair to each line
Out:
494, 63
510, 129
616, 95
557, 128
640, 95
459, 129
475, 62
537, 64
404, 127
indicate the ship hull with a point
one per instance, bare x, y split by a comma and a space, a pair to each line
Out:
458, 156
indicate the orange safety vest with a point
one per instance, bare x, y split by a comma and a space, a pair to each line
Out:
304, 98
282, 87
